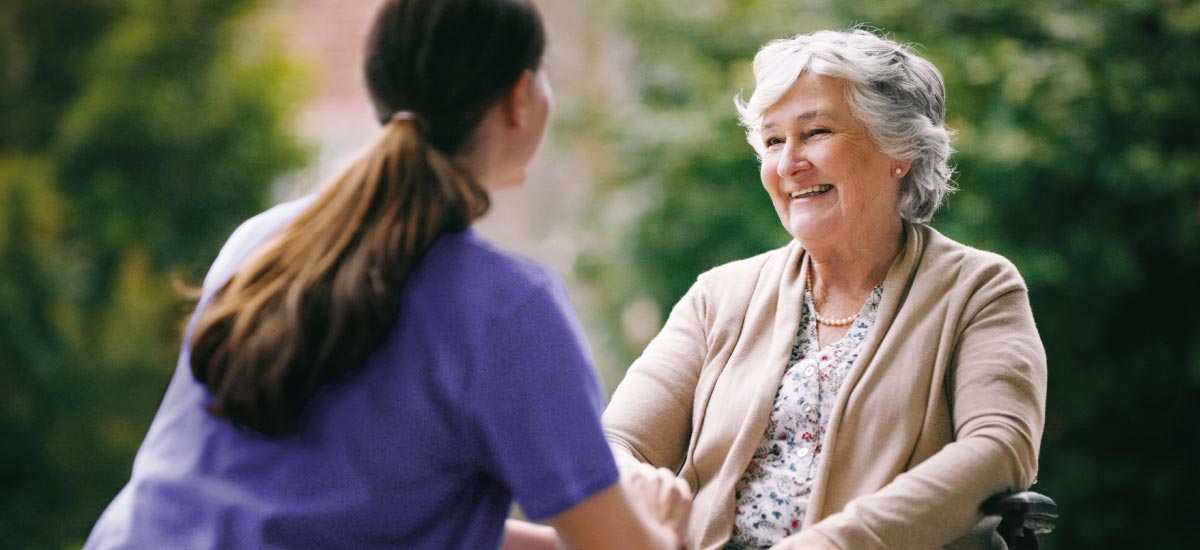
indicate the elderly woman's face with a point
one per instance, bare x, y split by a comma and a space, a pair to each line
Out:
829, 182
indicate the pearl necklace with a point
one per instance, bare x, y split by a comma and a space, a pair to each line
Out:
817, 314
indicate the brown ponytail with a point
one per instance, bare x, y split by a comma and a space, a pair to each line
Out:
320, 296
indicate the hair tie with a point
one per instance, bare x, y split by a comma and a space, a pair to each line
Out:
409, 116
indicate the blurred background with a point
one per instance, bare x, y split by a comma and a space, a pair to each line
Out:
136, 134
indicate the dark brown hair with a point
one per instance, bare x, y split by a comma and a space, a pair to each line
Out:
313, 302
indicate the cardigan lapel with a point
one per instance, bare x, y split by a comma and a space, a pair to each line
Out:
895, 288
771, 361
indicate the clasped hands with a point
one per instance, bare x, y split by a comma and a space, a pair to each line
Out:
659, 496
667, 499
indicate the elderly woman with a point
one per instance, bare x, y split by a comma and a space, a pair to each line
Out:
870, 384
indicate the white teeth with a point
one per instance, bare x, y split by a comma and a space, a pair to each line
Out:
815, 189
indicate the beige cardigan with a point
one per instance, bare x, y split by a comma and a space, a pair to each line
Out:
943, 408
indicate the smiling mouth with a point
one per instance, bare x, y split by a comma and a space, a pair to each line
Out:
810, 191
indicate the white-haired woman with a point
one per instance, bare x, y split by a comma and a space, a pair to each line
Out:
870, 384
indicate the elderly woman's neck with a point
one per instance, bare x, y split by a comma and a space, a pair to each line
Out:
858, 263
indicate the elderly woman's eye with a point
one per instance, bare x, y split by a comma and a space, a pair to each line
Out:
818, 132
773, 141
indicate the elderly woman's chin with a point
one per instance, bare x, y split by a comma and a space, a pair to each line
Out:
808, 224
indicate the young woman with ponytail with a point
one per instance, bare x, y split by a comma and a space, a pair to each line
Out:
364, 371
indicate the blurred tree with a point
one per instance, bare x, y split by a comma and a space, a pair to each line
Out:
1079, 159
134, 136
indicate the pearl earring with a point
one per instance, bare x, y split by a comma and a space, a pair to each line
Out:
898, 171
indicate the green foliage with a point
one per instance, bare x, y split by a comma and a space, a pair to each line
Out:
136, 134
1078, 160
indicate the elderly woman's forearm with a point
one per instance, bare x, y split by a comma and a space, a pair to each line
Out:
650, 414
930, 505
999, 407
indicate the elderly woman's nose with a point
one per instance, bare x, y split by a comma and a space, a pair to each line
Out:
792, 161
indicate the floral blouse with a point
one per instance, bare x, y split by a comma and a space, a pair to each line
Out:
772, 496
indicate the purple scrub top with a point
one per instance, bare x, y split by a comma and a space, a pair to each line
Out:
482, 393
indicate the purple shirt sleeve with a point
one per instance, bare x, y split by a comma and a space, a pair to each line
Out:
536, 404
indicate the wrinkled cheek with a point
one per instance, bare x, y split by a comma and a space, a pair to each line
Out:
769, 178
770, 184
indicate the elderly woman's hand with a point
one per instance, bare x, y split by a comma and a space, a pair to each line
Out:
659, 494
808, 539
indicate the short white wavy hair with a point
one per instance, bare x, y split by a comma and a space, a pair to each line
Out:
899, 96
